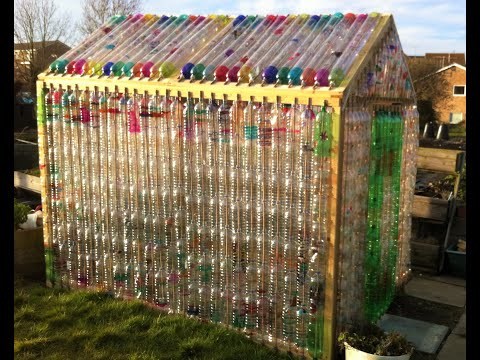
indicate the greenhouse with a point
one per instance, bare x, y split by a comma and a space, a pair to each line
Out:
253, 171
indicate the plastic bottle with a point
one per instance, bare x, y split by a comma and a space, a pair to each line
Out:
237, 48
263, 31
213, 25
287, 50
342, 65
81, 64
113, 63
292, 53
218, 42
284, 35
170, 43
338, 25
317, 72
193, 70
58, 66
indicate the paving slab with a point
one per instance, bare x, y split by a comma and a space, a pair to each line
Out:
448, 279
436, 291
425, 336
455, 348
461, 328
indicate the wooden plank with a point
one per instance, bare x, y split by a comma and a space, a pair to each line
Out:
425, 255
429, 208
28, 182
331, 281
288, 95
443, 160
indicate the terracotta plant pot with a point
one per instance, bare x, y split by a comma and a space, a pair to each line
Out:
354, 354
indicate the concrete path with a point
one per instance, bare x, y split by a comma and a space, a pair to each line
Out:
437, 291
425, 336
446, 290
455, 347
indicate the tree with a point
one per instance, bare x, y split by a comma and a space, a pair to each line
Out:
97, 12
36, 24
430, 87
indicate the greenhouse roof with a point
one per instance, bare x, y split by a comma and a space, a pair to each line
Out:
327, 50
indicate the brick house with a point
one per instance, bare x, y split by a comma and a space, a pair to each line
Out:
452, 110
32, 58
439, 59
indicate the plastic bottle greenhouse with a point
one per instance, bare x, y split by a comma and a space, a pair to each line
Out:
256, 172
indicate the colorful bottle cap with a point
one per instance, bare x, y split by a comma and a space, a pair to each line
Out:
146, 68
78, 67
336, 76
294, 75
232, 74
238, 20
126, 69
308, 77
167, 69
282, 75
321, 77
186, 70
70, 68
197, 71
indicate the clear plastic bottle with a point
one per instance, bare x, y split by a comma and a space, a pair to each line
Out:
111, 64
344, 62
185, 26
211, 26
59, 64
218, 42
193, 70
286, 38
261, 33
236, 49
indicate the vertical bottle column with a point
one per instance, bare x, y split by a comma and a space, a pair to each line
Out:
68, 189
275, 211
180, 195
58, 196
237, 218
248, 247
85, 119
189, 168
262, 201
145, 171
154, 246
224, 136
290, 230
303, 217
77, 188
210, 262
119, 107
51, 111
116, 128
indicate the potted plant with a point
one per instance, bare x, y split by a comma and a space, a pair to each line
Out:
20, 214
372, 343
28, 250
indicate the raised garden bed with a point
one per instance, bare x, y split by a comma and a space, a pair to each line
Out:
28, 254
27, 181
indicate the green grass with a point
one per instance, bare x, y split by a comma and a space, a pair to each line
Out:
61, 324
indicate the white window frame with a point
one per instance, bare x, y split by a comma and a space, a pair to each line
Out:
464, 92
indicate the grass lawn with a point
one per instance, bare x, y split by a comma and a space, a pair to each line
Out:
58, 324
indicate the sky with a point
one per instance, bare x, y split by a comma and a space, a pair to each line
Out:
423, 25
